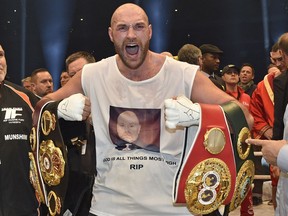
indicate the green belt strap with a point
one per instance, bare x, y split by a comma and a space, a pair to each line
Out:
237, 122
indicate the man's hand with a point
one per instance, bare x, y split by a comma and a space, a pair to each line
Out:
77, 107
270, 148
268, 133
181, 112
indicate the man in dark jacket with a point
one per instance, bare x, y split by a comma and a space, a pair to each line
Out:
17, 195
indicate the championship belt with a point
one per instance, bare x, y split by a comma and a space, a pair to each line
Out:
242, 152
48, 167
206, 177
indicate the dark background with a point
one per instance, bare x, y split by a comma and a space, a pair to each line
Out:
42, 33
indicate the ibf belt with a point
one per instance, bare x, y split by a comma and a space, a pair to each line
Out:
48, 158
207, 174
242, 152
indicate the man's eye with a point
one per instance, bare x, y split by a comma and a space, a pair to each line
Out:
139, 27
122, 28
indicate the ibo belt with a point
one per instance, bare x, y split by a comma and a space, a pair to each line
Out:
207, 175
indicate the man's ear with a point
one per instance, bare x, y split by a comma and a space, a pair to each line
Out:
150, 31
33, 85
110, 34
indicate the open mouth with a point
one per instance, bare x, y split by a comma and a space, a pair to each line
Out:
132, 49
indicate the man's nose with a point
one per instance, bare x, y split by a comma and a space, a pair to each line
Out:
131, 32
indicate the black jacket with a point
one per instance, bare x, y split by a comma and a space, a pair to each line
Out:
17, 195
280, 85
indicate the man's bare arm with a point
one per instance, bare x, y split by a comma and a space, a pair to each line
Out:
204, 91
73, 86
75, 106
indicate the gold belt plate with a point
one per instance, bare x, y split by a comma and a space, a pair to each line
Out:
207, 186
244, 181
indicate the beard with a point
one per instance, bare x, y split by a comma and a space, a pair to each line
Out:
132, 64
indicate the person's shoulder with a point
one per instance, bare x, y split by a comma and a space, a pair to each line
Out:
245, 99
260, 83
32, 97
259, 86
254, 86
251, 89
100, 64
16, 86
241, 91
171, 62
281, 80
283, 77
246, 95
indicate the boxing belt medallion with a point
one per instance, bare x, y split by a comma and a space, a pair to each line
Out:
244, 156
48, 167
206, 177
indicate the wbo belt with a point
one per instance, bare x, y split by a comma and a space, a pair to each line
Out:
48, 167
206, 177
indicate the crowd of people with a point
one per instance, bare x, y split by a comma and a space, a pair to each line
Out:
124, 154
258, 98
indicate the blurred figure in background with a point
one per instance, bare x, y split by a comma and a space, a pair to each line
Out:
262, 109
190, 54
230, 75
210, 64
26, 83
41, 82
64, 78
17, 195
80, 143
246, 76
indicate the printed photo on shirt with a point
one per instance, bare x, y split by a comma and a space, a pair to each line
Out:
135, 128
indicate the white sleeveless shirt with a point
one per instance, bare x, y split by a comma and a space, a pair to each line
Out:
137, 181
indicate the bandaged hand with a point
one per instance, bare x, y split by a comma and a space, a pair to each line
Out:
74, 108
181, 112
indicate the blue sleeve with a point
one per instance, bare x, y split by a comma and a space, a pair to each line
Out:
282, 159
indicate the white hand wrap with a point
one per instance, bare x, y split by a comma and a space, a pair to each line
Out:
71, 108
181, 112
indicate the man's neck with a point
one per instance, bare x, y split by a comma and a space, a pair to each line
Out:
148, 69
205, 70
231, 87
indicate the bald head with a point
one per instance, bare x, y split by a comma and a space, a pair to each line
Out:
130, 33
128, 126
3, 64
130, 10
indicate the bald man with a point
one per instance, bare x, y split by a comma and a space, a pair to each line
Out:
138, 181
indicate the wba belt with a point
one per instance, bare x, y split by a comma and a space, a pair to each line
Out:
48, 167
206, 177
